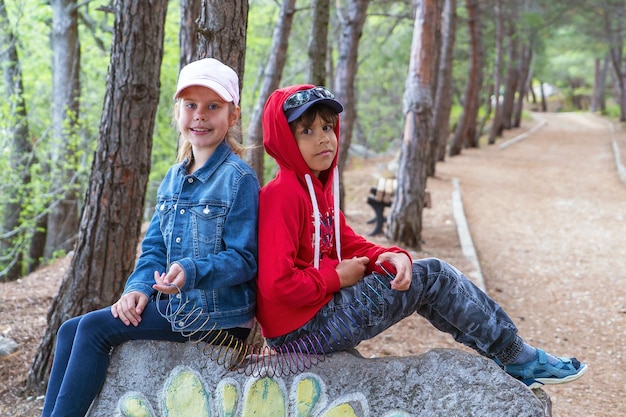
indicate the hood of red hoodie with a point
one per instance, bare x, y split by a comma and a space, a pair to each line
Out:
280, 143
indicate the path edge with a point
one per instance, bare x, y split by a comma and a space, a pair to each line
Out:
465, 237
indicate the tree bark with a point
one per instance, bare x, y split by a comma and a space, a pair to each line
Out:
436, 57
64, 216
495, 130
19, 152
532, 97
512, 73
111, 221
443, 94
222, 29
614, 19
526, 57
431, 162
405, 217
188, 30
598, 102
466, 134
318, 42
352, 19
271, 79
544, 102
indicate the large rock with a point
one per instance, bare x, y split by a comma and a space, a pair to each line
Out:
148, 378
7, 346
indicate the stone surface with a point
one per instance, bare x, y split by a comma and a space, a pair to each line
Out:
7, 346
149, 378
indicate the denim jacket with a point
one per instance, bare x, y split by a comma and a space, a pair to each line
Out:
207, 223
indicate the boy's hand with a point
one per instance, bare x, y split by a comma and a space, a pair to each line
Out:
129, 308
404, 269
350, 271
172, 282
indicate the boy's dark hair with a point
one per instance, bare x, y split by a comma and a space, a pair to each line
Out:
325, 112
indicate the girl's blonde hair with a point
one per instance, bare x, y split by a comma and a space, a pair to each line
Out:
233, 138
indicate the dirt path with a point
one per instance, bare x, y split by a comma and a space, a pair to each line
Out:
547, 218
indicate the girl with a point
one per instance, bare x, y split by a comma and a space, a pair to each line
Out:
200, 249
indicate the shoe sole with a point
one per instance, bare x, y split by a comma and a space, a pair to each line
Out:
539, 382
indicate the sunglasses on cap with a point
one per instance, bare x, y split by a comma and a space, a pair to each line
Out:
301, 97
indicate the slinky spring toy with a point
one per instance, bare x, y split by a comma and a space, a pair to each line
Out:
262, 360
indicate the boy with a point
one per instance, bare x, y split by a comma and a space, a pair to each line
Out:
323, 288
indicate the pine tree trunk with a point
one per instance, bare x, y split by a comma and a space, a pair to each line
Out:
222, 33
523, 82
466, 134
188, 30
405, 217
353, 20
544, 102
614, 28
111, 221
443, 95
318, 42
497, 77
63, 219
512, 74
598, 102
432, 147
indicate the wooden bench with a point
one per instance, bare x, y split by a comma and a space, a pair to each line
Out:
381, 196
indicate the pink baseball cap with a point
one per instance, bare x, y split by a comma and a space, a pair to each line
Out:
210, 73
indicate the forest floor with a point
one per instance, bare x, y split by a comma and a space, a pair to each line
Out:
545, 208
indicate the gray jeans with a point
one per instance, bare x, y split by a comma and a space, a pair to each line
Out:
439, 292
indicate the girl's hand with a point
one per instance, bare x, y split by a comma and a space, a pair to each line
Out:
350, 271
129, 308
404, 269
172, 282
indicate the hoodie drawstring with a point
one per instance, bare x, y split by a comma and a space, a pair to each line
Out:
336, 216
316, 216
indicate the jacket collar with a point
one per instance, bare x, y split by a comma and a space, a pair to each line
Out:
222, 152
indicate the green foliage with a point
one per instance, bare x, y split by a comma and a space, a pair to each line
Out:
95, 50
612, 111
30, 23
32, 178
383, 69
263, 15
566, 63
568, 37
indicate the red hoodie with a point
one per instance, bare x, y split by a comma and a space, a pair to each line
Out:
298, 255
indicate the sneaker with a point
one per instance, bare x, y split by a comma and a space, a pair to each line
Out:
539, 372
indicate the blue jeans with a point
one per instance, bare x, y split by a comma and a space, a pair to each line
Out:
438, 292
83, 349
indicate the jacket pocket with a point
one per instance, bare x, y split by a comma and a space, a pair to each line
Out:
165, 210
208, 222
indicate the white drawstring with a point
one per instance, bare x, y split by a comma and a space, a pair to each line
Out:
337, 217
316, 217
